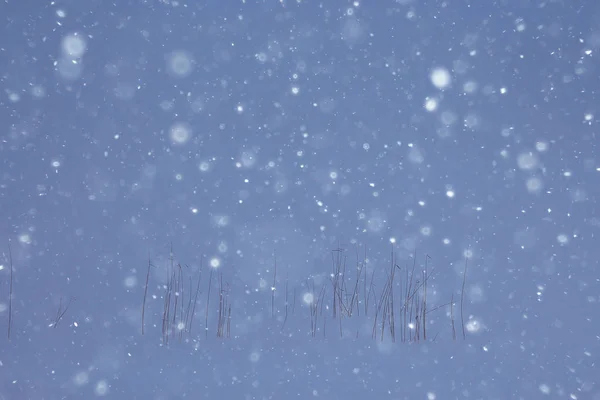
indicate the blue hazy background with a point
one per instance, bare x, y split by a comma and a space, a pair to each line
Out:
239, 132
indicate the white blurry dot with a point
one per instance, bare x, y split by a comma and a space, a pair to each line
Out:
61, 13
562, 239
534, 185
254, 356
74, 46
376, 223
470, 87
308, 298
545, 389
130, 282
415, 155
393, 240
81, 378
215, 262
38, 91
527, 161
506, 132
25, 238
261, 57
262, 283
14, 97
204, 166
448, 118
473, 326
101, 388
55, 163
440, 77
222, 247
446, 241
179, 64
333, 175
450, 193
239, 109
431, 104
221, 220
295, 90
520, 25
180, 132
425, 230
541, 146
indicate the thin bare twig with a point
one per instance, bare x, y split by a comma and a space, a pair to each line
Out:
145, 293
196, 297
462, 296
208, 302
60, 313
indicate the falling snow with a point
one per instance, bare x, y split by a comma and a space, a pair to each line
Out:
282, 199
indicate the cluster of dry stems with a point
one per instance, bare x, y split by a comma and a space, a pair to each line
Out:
400, 310
402, 300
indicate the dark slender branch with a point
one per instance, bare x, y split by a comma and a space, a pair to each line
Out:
452, 316
196, 297
208, 302
145, 293
462, 296
60, 313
